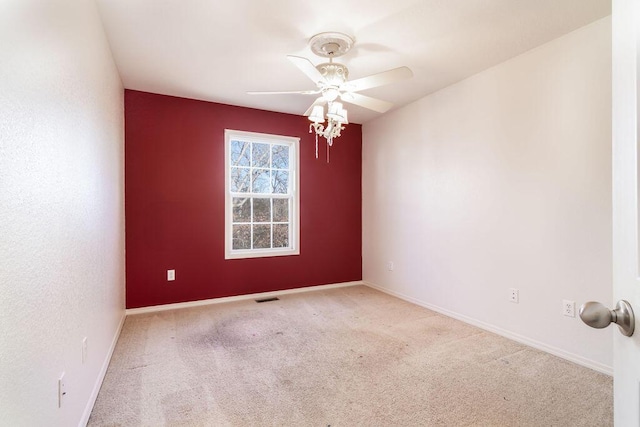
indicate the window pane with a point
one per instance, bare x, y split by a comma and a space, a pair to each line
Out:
261, 210
239, 180
241, 237
260, 153
241, 209
261, 181
261, 236
280, 156
280, 235
240, 153
280, 210
280, 182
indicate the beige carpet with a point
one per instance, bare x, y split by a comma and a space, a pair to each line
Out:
341, 357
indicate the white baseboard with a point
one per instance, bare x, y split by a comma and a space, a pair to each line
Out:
588, 363
163, 307
103, 371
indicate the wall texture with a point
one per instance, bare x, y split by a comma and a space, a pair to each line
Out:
501, 181
61, 204
174, 154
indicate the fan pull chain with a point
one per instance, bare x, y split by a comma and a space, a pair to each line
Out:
311, 131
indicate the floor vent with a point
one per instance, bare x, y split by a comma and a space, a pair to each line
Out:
268, 299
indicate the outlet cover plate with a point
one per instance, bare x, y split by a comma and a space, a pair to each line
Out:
569, 308
62, 390
171, 275
514, 295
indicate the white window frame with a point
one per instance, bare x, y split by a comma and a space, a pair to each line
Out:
294, 195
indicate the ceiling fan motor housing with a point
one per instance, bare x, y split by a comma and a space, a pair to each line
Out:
335, 74
331, 45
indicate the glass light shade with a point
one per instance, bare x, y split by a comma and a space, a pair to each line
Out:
334, 110
338, 113
336, 106
317, 114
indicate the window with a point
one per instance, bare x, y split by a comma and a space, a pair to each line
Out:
261, 200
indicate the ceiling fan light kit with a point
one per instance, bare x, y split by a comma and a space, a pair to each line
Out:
331, 79
336, 118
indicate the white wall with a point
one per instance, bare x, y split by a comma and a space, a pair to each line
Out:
61, 208
501, 181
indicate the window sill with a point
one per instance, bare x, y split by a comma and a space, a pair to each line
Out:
261, 253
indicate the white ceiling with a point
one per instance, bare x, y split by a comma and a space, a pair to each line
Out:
217, 50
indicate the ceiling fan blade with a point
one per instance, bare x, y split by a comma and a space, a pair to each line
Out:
318, 101
375, 80
308, 68
302, 92
367, 102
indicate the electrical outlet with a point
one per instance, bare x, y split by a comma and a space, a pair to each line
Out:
84, 350
390, 266
62, 390
171, 275
569, 308
514, 295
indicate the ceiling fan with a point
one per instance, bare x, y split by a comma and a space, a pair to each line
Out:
331, 80
331, 77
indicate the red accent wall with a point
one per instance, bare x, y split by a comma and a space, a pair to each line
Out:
174, 203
